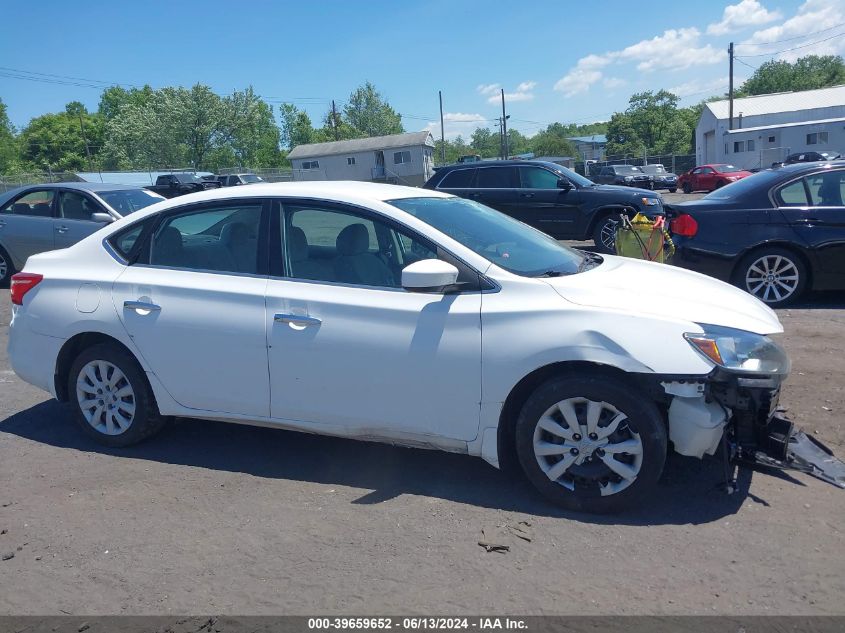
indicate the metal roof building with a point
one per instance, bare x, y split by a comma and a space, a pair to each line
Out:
404, 159
769, 127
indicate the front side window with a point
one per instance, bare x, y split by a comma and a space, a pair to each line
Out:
35, 203
538, 178
458, 179
334, 245
220, 239
401, 157
75, 206
508, 243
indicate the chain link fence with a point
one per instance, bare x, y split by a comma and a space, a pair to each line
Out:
674, 163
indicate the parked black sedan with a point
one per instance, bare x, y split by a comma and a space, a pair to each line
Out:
624, 175
775, 234
661, 179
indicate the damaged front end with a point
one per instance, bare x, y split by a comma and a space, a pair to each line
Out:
736, 407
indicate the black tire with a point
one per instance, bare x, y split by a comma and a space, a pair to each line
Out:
603, 230
687, 188
720, 184
7, 269
754, 267
643, 422
673, 190
146, 420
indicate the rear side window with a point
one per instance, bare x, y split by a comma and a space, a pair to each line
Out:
793, 194
124, 241
496, 178
458, 179
35, 203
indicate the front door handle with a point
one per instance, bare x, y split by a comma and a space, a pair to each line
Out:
296, 319
527, 195
61, 229
141, 306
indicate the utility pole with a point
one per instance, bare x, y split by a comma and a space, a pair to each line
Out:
504, 127
442, 131
85, 139
334, 121
731, 88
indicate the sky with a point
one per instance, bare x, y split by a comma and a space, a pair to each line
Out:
556, 60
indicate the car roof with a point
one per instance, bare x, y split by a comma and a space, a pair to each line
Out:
497, 163
81, 186
809, 166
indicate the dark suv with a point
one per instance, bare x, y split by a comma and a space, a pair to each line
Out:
626, 175
549, 197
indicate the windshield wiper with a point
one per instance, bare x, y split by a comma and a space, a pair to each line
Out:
552, 273
590, 260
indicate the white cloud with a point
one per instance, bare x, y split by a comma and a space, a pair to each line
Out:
523, 92
487, 89
675, 49
741, 15
614, 82
457, 124
812, 16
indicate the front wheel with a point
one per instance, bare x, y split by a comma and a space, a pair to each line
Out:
775, 276
112, 400
604, 234
591, 443
6, 268
687, 188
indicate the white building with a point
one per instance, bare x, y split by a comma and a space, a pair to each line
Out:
769, 127
404, 159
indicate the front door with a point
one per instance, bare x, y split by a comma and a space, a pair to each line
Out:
350, 350
73, 220
496, 187
194, 307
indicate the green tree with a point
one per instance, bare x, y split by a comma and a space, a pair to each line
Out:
371, 114
336, 128
486, 143
554, 141
9, 162
115, 97
56, 141
250, 130
296, 128
652, 123
806, 73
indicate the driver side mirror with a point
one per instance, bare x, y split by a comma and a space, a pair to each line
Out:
429, 275
563, 183
102, 217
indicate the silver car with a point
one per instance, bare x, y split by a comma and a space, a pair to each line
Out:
39, 218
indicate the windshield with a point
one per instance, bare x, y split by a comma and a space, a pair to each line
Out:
251, 178
573, 177
502, 240
187, 178
724, 169
761, 180
129, 201
653, 169
628, 169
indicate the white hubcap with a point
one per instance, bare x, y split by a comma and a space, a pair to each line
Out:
105, 397
772, 278
582, 444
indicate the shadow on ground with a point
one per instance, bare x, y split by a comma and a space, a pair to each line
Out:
689, 492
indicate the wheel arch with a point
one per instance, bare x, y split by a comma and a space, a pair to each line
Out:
600, 213
72, 348
520, 392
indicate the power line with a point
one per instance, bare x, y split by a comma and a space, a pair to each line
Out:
797, 37
744, 64
794, 48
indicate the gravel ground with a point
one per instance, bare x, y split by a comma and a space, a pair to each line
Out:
225, 519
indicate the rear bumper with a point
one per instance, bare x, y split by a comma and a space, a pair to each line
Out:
718, 266
32, 356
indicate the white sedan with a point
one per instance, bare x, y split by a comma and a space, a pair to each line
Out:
399, 315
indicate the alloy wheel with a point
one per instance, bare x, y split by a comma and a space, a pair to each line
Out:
772, 278
607, 235
106, 397
4, 268
584, 445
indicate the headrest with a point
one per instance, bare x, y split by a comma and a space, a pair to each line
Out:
169, 240
234, 232
353, 240
297, 244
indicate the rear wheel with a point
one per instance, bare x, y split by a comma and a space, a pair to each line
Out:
687, 188
591, 443
673, 189
112, 400
6, 268
604, 233
776, 276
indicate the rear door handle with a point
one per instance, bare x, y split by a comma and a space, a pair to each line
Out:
527, 195
141, 306
296, 319
61, 229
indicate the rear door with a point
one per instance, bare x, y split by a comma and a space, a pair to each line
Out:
544, 205
73, 221
497, 187
194, 306
814, 207
26, 225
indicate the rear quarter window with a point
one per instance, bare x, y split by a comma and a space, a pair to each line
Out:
458, 178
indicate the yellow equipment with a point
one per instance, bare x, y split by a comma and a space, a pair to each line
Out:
641, 238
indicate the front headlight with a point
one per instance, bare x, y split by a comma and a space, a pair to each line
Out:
739, 350
628, 178
651, 202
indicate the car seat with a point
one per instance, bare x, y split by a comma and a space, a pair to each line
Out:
168, 248
355, 264
301, 264
235, 238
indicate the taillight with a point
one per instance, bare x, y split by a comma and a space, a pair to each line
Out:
23, 283
684, 225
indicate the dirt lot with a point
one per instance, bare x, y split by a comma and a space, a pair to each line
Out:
214, 518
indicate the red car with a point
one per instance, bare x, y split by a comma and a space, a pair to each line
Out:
710, 177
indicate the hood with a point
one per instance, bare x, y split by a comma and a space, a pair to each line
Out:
639, 287
632, 192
